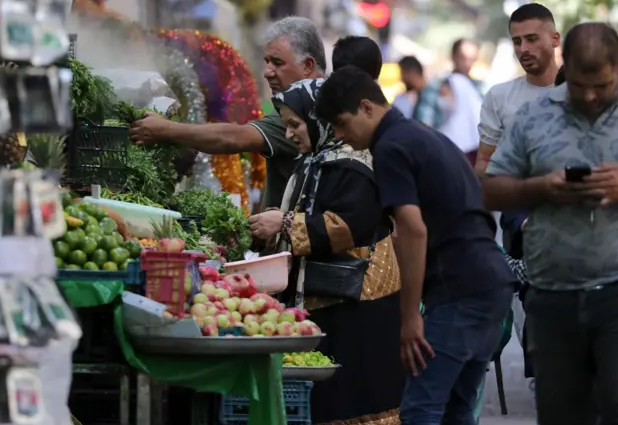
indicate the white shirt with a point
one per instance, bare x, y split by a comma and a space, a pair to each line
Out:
500, 105
405, 103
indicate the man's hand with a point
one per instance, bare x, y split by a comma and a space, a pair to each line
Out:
150, 129
559, 191
266, 224
414, 346
602, 184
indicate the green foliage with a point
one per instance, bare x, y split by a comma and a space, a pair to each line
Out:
192, 202
92, 96
227, 225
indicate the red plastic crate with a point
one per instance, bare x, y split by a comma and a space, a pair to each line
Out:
165, 277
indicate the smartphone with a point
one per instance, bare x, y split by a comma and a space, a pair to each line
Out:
576, 173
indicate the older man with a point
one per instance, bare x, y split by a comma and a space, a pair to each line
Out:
293, 51
559, 160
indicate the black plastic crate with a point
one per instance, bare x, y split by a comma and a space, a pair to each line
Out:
185, 220
98, 343
97, 155
296, 396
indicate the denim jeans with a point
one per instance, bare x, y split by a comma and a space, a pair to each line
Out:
464, 335
573, 342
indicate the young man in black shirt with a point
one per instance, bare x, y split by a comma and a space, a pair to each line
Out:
444, 241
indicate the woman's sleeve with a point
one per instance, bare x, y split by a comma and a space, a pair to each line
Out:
352, 214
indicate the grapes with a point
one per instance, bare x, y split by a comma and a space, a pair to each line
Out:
309, 359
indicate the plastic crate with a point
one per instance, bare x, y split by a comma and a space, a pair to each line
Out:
133, 277
97, 155
296, 396
185, 220
166, 274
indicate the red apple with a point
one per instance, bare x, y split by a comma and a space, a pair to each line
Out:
211, 308
219, 305
222, 294
271, 315
199, 321
198, 310
284, 329
246, 307
252, 328
261, 306
231, 304
223, 321
210, 330
236, 317
268, 329
209, 274
175, 245
210, 320
315, 329
295, 330
287, 316
200, 298
208, 288
242, 285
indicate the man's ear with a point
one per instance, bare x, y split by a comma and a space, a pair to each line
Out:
366, 107
556, 40
309, 67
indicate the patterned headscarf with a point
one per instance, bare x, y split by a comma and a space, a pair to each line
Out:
300, 97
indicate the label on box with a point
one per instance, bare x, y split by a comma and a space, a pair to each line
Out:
25, 396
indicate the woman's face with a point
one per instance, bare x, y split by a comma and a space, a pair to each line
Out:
295, 129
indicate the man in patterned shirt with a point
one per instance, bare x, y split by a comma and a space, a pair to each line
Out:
571, 238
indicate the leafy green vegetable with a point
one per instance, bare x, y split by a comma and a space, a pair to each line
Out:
192, 202
92, 96
134, 198
227, 225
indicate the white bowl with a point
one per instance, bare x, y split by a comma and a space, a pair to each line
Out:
269, 272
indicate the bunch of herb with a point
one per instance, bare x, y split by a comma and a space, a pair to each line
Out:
144, 176
92, 96
227, 225
191, 202
132, 197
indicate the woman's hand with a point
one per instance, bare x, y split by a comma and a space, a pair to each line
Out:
266, 224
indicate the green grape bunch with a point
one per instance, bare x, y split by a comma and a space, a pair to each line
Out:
309, 359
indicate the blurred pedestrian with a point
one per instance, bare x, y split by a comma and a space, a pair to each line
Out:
293, 51
558, 161
444, 242
412, 76
359, 51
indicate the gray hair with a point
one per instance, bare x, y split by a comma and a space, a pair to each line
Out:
303, 37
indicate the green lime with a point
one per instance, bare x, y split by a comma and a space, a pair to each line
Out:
59, 262
82, 215
81, 233
92, 221
78, 257
73, 267
99, 213
108, 243
72, 210
61, 249
119, 255
99, 257
108, 225
134, 248
125, 265
118, 237
66, 199
72, 238
91, 266
93, 229
88, 245
109, 266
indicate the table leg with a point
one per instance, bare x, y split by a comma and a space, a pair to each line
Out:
125, 396
143, 400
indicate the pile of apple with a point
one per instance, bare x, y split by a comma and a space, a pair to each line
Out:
226, 302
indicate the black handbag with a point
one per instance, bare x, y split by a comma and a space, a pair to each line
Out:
337, 277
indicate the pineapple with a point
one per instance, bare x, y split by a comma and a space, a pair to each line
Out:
47, 151
12, 151
165, 229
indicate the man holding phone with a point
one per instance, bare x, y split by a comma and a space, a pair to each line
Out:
559, 160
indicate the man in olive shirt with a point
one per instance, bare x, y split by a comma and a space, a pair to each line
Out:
293, 51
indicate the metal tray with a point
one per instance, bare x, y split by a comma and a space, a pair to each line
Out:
242, 345
309, 373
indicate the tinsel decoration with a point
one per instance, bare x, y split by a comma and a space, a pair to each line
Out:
230, 92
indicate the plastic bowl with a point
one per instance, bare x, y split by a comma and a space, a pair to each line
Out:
269, 272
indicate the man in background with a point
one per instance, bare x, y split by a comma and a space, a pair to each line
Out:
362, 52
293, 51
572, 236
412, 76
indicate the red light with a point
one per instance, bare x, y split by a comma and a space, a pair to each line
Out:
378, 14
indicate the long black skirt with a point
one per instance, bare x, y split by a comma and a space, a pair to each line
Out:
364, 338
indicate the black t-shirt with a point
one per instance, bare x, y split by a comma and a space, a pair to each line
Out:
416, 165
281, 157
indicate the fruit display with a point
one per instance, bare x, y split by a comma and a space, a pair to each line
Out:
230, 305
308, 359
92, 240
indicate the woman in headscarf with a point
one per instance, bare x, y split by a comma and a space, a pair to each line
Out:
344, 270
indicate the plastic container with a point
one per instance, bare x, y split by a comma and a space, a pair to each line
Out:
269, 272
133, 277
137, 217
171, 278
296, 396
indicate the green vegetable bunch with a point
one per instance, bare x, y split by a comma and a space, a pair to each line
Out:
92, 96
192, 202
134, 198
227, 225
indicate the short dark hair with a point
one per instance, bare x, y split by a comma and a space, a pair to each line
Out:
410, 63
362, 52
592, 45
531, 11
560, 79
460, 42
343, 92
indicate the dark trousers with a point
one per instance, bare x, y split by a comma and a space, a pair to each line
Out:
464, 335
573, 341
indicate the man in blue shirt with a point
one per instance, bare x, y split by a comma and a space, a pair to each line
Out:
444, 241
